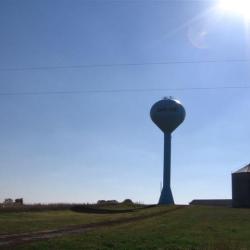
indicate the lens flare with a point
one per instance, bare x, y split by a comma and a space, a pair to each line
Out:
241, 7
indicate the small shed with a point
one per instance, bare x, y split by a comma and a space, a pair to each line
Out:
241, 187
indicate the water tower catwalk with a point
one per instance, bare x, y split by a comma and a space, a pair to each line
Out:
167, 114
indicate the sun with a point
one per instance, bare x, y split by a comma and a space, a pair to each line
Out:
241, 7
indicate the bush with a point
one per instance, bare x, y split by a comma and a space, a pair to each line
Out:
128, 201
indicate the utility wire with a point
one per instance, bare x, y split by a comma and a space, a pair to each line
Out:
73, 92
83, 66
150, 1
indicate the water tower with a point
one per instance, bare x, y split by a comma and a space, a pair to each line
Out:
167, 114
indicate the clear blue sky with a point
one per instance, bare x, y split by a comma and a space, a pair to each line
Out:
85, 147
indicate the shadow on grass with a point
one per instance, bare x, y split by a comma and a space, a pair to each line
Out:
94, 210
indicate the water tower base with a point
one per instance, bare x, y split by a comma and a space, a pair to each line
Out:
166, 197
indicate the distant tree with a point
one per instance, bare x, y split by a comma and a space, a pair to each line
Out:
128, 201
112, 202
101, 202
19, 201
8, 201
107, 202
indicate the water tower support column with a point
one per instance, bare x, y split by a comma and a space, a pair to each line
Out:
166, 197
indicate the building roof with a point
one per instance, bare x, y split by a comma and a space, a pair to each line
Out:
245, 169
212, 202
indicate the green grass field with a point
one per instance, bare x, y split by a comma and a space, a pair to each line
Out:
21, 222
187, 228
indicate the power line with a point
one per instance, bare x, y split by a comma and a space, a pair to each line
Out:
150, 1
124, 65
97, 91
